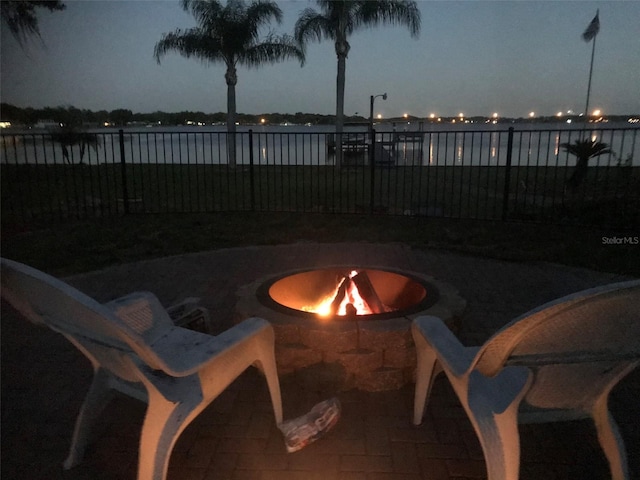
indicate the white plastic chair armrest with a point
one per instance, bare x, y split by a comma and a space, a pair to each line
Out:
182, 352
453, 356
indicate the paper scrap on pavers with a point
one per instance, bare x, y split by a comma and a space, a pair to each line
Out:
306, 429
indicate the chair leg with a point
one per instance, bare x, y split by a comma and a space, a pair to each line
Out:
97, 398
427, 370
610, 439
273, 383
492, 406
163, 424
266, 363
500, 441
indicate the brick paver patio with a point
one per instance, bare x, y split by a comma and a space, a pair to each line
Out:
44, 380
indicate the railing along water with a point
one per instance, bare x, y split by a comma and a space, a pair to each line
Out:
492, 174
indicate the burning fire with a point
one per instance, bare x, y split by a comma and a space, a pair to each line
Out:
346, 299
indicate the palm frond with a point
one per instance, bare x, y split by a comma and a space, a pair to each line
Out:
21, 18
585, 149
388, 12
313, 26
206, 12
272, 49
190, 43
260, 13
327, 5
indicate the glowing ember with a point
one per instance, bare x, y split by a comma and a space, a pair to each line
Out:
345, 300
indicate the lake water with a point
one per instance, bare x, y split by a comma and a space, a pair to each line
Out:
402, 144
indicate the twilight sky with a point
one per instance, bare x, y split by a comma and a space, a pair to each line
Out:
476, 57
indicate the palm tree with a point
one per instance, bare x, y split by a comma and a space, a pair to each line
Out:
583, 150
338, 20
69, 136
230, 34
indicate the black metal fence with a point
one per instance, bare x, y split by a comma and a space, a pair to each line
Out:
496, 174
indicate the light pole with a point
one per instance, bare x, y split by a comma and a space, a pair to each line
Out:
373, 97
373, 140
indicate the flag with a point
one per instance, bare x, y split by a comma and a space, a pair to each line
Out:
593, 28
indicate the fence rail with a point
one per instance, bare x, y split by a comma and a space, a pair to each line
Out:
498, 174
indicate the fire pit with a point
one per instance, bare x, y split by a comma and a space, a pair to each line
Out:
348, 294
356, 319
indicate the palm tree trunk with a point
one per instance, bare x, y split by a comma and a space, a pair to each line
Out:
65, 154
231, 78
340, 81
579, 173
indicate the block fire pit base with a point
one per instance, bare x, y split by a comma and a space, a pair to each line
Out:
368, 354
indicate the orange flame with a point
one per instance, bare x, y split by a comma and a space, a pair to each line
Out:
352, 296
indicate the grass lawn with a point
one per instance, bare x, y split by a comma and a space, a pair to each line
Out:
79, 246
608, 196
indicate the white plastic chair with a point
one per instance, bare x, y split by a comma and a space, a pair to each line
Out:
136, 349
557, 362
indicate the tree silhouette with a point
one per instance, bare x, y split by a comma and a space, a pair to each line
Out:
70, 136
230, 34
583, 150
121, 116
338, 20
21, 19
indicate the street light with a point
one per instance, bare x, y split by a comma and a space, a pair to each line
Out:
373, 97
373, 140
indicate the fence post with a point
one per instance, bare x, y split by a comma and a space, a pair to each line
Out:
251, 173
372, 166
123, 170
507, 176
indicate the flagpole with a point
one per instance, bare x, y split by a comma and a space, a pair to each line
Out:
590, 34
586, 108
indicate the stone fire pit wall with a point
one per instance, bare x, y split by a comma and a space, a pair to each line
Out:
370, 355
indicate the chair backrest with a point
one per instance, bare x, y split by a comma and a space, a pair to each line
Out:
103, 336
575, 344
